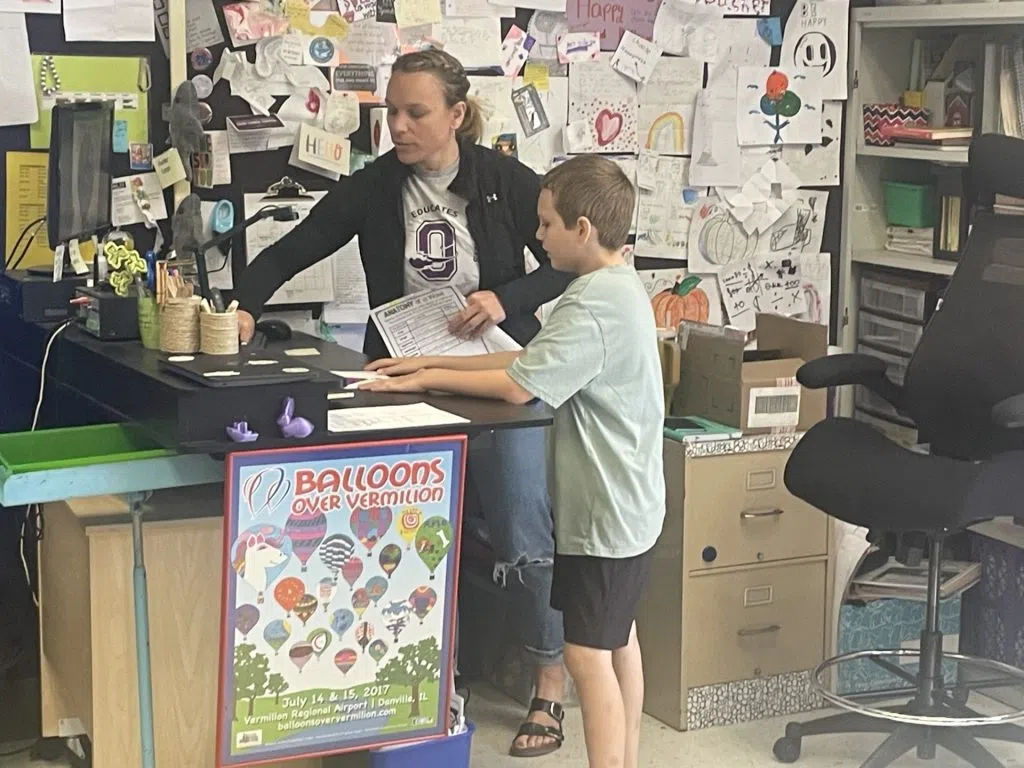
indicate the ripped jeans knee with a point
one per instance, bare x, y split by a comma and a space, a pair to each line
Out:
503, 572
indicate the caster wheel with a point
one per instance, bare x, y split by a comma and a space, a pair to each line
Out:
787, 750
960, 694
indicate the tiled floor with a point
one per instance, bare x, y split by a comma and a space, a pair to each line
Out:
741, 746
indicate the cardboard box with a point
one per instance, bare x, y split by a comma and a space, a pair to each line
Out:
758, 394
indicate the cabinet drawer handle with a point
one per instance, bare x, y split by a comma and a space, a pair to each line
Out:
759, 630
756, 513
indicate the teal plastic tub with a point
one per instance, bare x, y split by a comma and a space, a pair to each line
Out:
909, 205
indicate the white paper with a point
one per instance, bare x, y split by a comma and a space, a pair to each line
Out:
716, 159
801, 228
108, 21
815, 270
202, 28
607, 102
370, 42
678, 25
417, 325
475, 42
386, 417
739, 45
537, 151
477, 8
733, 7
123, 208
635, 57
542, 5
666, 204
311, 286
764, 198
29, 6
257, 133
341, 113
749, 289
351, 301
757, 117
816, 37
815, 165
221, 150
667, 105
545, 27
716, 239
17, 90
577, 46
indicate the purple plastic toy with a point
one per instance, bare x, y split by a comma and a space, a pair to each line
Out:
239, 432
292, 425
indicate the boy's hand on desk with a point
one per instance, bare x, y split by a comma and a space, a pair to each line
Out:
412, 382
483, 309
400, 366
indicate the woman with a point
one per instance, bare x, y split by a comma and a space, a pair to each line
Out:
441, 210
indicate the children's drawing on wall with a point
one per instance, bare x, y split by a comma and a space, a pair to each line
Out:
545, 27
667, 104
716, 161
678, 295
800, 229
815, 165
607, 102
816, 38
754, 287
717, 239
778, 106
815, 271
666, 203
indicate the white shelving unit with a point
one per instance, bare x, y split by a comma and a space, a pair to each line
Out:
881, 42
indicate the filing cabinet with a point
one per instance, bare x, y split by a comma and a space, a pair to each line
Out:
735, 615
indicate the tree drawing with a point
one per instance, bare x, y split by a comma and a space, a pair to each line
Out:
277, 685
413, 666
251, 670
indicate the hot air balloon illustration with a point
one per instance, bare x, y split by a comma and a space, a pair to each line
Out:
320, 639
378, 650
288, 592
397, 616
376, 587
364, 634
276, 633
305, 608
326, 591
370, 525
409, 523
246, 617
351, 571
345, 659
396, 624
259, 555
300, 654
422, 601
306, 532
389, 558
342, 621
433, 541
361, 601
335, 551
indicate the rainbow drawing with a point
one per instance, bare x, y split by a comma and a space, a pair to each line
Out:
667, 134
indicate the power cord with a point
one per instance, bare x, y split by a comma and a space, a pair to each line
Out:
38, 224
33, 515
21, 751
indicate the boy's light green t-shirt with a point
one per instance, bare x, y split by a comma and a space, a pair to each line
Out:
596, 362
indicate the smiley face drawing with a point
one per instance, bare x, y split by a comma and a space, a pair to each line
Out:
815, 51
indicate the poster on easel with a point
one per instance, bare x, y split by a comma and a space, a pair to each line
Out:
340, 575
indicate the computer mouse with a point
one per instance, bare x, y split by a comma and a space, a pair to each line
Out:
274, 330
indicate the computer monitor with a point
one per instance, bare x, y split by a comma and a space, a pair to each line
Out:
78, 182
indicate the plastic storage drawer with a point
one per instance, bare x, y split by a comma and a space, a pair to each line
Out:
895, 335
899, 433
896, 368
869, 401
899, 298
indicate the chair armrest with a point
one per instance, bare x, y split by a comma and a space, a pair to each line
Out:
1009, 413
840, 370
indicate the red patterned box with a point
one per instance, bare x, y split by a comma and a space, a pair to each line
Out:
879, 116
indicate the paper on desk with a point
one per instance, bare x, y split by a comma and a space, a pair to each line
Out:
383, 417
17, 94
351, 301
311, 286
123, 208
108, 21
417, 325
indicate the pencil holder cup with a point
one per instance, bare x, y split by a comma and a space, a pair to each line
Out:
149, 322
218, 333
179, 326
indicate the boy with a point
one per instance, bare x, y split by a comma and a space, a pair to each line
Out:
596, 362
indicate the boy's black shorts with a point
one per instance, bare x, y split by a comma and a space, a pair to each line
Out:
598, 597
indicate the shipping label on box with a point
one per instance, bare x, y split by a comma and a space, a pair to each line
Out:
773, 407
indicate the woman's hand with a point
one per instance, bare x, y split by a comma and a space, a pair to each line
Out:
483, 310
412, 382
246, 326
400, 366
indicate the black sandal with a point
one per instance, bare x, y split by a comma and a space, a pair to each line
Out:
529, 728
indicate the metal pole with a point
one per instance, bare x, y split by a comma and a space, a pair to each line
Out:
144, 670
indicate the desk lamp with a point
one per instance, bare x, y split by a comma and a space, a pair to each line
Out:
276, 212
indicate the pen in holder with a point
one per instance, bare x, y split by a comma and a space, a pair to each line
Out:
218, 333
179, 326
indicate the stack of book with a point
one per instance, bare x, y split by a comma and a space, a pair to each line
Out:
1010, 206
919, 241
929, 138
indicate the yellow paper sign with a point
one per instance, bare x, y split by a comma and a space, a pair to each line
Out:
169, 168
298, 15
415, 13
537, 74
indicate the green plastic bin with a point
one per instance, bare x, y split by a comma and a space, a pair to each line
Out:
48, 449
909, 205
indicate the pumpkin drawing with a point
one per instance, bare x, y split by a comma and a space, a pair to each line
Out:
683, 301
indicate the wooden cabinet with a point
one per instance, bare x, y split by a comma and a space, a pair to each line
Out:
738, 598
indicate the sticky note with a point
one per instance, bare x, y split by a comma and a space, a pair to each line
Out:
169, 168
415, 13
536, 74
120, 134
302, 352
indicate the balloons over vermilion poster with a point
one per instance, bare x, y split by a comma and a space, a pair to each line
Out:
339, 576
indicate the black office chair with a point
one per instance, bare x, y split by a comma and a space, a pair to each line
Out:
964, 389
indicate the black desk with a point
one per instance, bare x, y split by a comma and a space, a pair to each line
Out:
128, 382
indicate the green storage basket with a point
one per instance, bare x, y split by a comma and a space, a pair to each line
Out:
909, 205
48, 449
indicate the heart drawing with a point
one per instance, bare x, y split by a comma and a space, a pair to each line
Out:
608, 125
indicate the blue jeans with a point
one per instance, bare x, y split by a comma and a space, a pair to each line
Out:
507, 476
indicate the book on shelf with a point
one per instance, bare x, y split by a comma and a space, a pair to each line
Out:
1009, 206
919, 241
929, 135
